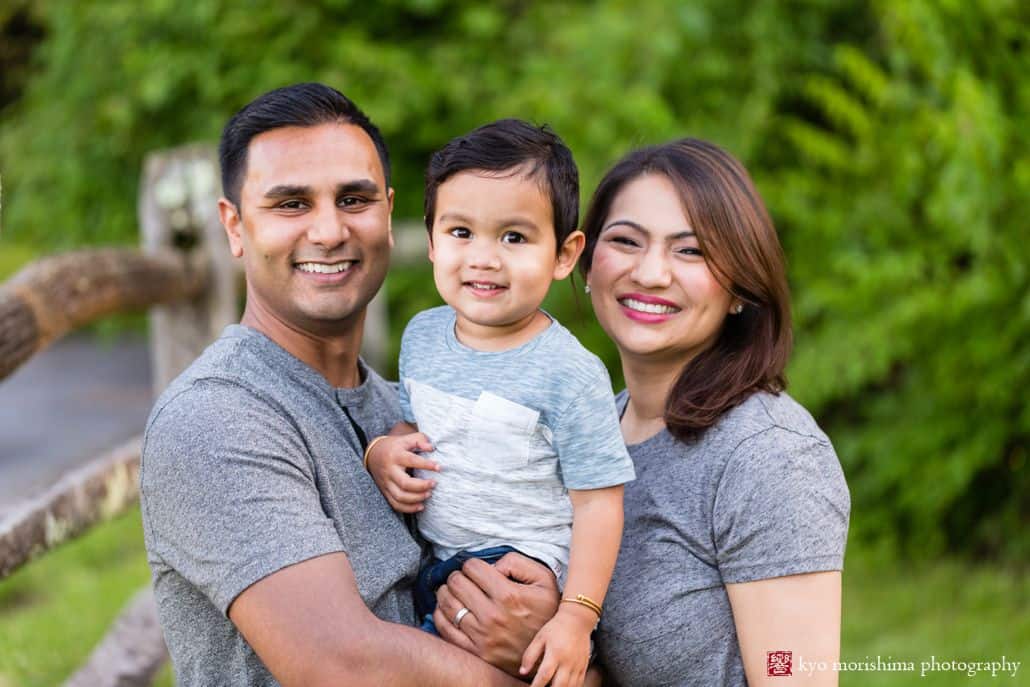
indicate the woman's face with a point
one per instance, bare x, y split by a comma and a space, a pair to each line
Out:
651, 288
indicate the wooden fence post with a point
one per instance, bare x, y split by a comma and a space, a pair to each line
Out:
409, 248
178, 208
375, 340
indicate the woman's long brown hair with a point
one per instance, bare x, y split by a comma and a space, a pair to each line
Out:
741, 248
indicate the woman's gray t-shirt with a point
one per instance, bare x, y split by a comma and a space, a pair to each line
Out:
760, 495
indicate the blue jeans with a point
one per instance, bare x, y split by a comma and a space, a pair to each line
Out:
435, 574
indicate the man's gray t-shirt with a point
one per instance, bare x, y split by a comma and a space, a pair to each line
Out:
760, 495
513, 431
251, 463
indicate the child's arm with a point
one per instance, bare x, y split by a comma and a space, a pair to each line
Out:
564, 642
388, 459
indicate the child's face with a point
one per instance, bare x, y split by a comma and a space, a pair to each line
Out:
493, 248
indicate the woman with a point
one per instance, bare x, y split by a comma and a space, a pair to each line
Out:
736, 523
735, 526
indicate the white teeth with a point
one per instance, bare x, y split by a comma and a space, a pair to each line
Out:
653, 308
482, 285
322, 268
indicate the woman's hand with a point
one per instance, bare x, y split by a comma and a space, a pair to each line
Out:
389, 461
508, 603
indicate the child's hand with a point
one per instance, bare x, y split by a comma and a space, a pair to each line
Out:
564, 643
389, 462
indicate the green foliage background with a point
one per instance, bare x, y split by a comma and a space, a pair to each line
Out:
890, 140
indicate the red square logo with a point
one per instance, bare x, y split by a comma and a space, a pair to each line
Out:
778, 663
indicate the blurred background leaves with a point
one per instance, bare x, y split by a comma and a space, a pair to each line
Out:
889, 139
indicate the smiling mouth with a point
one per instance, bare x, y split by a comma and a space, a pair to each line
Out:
483, 286
651, 308
326, 268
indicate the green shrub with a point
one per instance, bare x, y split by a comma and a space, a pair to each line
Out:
901, 205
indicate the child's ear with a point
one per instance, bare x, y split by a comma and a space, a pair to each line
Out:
568, 254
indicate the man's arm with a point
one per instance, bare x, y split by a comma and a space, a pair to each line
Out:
229, 502
310, 627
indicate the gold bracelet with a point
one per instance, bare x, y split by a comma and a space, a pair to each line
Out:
583, 600
368, 449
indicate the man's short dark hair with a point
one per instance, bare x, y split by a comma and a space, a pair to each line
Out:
303, 104
519, 147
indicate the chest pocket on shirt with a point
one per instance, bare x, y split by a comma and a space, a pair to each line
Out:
500, 431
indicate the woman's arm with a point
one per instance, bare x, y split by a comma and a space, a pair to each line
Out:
799, 614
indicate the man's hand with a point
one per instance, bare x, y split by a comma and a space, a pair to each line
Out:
508, 604
389, 461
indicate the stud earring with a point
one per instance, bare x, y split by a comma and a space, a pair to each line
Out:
738, 308
586, 289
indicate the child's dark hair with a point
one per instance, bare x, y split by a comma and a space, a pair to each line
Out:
512, 145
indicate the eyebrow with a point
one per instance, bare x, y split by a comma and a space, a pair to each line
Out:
293, 190
633, 225
506, 222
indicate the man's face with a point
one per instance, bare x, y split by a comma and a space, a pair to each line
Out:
313, 228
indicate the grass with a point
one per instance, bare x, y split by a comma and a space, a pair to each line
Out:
55, 610
948, 610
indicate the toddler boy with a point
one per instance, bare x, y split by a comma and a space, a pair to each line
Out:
516, 420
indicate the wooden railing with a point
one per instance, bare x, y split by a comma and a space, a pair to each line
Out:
183, 274
185, 277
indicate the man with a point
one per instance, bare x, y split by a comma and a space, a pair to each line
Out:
274, 557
